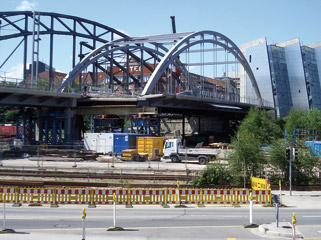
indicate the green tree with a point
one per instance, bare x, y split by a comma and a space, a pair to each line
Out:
247, 156
295, 120
304, 166
257, 128
261, 125
277, 159
313, 120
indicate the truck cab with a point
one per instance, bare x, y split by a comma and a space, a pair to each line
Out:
170, 149
173, 149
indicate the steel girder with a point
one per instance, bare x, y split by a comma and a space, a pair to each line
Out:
49, 29
60, 24
187, 42
55, 24
100, 52
127, 46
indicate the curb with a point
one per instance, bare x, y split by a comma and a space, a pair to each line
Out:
284, 230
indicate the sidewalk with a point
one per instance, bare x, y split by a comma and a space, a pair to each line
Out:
299, 199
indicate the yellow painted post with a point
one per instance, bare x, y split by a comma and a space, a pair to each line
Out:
201, 202
16, 198
179, 194
165, 201
91, 201
293, 226
54, 198
236, 198
129, 197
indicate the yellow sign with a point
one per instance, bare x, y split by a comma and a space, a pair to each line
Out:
83, 213
177, 183
279, 183
114, 197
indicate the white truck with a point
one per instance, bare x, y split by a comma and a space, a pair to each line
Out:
174, 150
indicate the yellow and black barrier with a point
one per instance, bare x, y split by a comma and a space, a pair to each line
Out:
129, 197
260, 184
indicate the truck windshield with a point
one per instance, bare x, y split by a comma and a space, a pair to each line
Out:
169, 144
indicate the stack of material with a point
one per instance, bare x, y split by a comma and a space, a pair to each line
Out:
108, 159
219, 145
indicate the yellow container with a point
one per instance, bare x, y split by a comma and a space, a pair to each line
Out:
153, 146
129, 153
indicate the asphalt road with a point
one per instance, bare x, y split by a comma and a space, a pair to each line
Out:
151, 222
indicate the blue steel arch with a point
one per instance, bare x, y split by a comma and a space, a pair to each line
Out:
180, 47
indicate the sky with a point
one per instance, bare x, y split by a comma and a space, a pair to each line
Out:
240, 20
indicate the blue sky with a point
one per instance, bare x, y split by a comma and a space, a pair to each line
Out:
240, 20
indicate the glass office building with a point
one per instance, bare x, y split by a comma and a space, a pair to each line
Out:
287, 74
280, 81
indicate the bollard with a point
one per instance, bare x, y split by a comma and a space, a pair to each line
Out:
5, 230
83, 224
114, 228
293, 226
277, 214
4, 211
114, 200
251, 208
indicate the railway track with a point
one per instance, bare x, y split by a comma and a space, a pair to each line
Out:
90, 177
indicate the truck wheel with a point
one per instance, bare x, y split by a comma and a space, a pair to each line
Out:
175, 159
202, 160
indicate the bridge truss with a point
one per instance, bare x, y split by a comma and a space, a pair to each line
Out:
170, 64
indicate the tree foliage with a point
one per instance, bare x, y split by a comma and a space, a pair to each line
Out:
260, 125
213, 174
256, 129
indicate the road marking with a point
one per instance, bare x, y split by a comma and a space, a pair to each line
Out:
169, 227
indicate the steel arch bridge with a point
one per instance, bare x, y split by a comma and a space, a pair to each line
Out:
163, 79
23, 25
181, 63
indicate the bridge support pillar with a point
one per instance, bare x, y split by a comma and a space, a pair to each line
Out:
38, 126
68, 121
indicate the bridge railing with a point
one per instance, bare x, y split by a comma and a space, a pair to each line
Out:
10, 82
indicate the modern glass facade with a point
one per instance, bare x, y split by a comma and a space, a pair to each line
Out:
287, 74
295, 67
257, 56
280, 81
311, 77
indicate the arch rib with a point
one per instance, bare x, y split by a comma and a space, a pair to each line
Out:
177, 49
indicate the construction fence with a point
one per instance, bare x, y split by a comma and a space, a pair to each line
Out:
129, 197
260, 184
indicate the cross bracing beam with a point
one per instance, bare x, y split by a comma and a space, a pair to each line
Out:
104, 51
211, 63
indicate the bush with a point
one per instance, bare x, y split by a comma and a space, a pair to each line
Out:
213, 174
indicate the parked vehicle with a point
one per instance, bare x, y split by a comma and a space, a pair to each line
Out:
146, 147
174, 150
